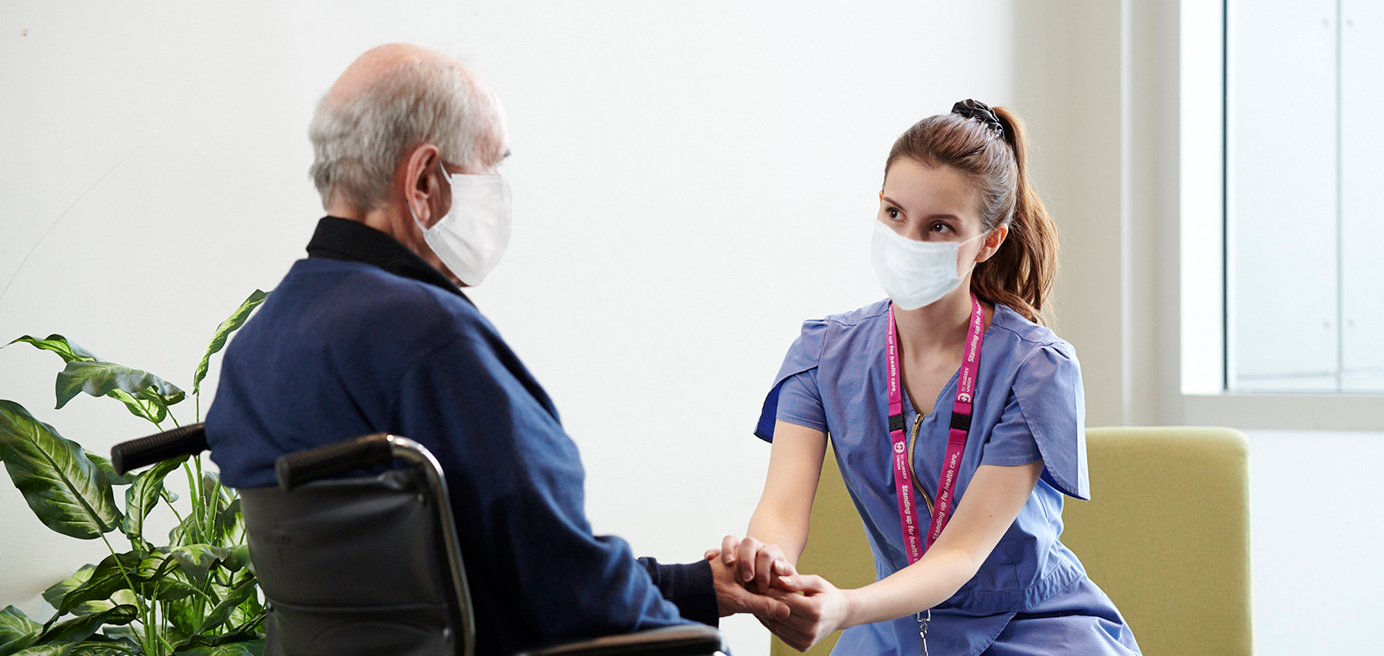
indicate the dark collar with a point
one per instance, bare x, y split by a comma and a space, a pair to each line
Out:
352, 241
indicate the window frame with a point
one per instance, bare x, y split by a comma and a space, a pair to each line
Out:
1199, 290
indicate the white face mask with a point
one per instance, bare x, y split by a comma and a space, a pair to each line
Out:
472, 237
914, 273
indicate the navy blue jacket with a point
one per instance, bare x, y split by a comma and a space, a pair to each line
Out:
363, 337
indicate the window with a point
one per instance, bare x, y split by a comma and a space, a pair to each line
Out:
1304, 196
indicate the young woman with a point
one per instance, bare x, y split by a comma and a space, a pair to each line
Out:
956, 418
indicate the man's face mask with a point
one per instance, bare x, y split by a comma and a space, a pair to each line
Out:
471, 239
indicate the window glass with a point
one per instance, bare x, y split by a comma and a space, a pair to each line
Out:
1304, 220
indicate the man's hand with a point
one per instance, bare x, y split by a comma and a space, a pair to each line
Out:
732, 597
820, 609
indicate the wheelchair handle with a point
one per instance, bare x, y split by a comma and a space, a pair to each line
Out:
303, 467
182, 441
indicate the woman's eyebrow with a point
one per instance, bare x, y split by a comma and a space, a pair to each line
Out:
929, 217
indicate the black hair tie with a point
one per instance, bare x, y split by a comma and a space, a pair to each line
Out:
981, 112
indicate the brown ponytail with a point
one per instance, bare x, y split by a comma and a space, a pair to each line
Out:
1021, 272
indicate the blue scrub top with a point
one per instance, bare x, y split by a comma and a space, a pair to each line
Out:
1029, 406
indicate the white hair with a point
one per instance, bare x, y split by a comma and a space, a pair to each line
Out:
357, 143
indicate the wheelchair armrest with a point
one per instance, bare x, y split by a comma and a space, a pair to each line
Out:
332, 460
684, 640
187, 440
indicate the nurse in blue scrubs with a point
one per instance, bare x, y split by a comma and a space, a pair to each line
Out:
956, 419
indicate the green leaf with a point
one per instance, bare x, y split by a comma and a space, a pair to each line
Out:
196, 560
240, 555
253, 647
247, 639
54, 594
64, 488
101, 378
185, 614
162, 571
104, 464
139, 407
230, 524
124, 634
222, 612
248, 614
155, 566
68, 351
143, 495
209, 521
94, 646
120, 598
80, 628
112, 574
164, 574
17, 631
185, 532
63, 649
223, 332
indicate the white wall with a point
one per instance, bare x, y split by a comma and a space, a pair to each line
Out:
691, 181
1315, 536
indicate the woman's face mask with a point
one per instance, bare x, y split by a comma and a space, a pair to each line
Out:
915, 273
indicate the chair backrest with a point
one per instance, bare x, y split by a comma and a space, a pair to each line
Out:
353, 566
1166, 535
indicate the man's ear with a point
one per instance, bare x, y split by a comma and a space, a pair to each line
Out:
419, 181
992, 242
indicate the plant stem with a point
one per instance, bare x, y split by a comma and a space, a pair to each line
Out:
213, 509
192, 491
199, 505
165, 642
175, 514
139, 596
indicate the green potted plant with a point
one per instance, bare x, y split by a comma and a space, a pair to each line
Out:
196, 594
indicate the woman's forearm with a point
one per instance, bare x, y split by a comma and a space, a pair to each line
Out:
991, 504
785, 507
774, 526
920, 586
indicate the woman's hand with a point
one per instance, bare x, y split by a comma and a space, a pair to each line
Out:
756, 563
819, 610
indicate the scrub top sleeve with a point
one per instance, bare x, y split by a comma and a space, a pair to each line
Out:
804, 355
1051, 402
800, 401
1011, 443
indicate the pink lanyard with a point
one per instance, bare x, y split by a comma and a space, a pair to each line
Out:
956, 438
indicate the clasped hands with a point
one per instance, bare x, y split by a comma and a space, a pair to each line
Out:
754, 577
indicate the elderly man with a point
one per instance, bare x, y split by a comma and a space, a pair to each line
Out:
372, 333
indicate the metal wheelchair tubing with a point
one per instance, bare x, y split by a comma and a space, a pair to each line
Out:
414, 453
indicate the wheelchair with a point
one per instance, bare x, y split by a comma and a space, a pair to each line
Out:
394, 533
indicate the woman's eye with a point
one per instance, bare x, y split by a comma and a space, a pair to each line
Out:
940, 227
892, 213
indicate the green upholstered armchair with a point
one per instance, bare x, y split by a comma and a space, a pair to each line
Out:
1166, 535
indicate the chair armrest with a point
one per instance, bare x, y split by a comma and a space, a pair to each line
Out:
188, 440
685, 640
